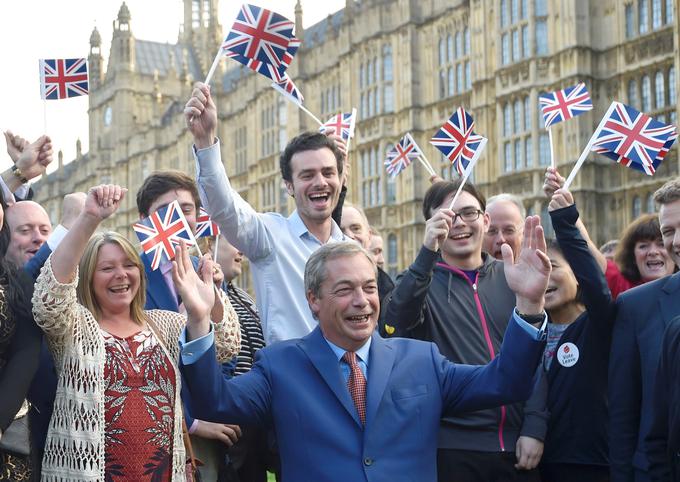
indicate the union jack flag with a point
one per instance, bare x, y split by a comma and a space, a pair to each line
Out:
160, 232
565, 104
289, 90
402, 154
632, 138
292, 49
456, 140
262, 68
342, 123
260, 34
205, 226
63, 78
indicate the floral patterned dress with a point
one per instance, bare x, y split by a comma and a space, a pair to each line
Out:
139, 408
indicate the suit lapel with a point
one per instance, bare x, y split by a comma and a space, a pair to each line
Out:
157, 289
668, 299
323, 359
380, 363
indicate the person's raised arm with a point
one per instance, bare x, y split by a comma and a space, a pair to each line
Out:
554, 181
15, 145
101, 202
31, 163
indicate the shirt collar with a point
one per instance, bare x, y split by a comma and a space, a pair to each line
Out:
362, 352
298, 227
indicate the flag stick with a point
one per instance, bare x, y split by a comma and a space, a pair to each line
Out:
45, 116
426, 164
351, 134
217, 245
585, 152
552, 150
296, 103
213, 67
468, 171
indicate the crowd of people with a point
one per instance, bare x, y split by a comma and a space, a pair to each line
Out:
497, 355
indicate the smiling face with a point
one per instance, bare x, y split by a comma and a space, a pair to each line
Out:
463, 247
229, 258
505, 226
669, 219
115, 280
315, 184
186, 203
355, 226
652, 259
562, 285
347, 306
29, 227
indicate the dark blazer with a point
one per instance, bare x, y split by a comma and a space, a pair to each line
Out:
662, 444
297, 387
643, 313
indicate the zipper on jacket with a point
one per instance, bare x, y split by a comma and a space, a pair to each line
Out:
487, 337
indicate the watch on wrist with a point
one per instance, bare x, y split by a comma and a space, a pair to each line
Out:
531, 319
18, 174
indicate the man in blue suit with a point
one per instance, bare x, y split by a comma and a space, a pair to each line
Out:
348, 405
643, 314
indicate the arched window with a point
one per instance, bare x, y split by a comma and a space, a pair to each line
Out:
459, 77
468, 76
387, 63
527, 114
442, 52
671, 86
633, 93
466, 36
637, 207
656, 14
459, 45
517, 119
504, 13
452, 82
651, 205
643, 16
450, 48
392, 254
646, 94
659, 91
507, 119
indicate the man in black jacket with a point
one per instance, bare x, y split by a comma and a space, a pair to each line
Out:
458, 298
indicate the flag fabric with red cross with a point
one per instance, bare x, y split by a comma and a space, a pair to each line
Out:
402, 154
63, 78
162, 231
457, 141
262, 68
342, 123
205, 226
260, 34
289, 90
564, 104
632, 138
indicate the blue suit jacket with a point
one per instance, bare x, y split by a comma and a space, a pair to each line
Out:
643, 314
297, 387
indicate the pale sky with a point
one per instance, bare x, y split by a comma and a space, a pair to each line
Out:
34, 29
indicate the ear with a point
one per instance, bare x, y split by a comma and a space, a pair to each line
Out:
314, 303
289, 188
487, 222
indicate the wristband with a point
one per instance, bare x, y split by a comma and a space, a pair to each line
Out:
18, 174
531, 319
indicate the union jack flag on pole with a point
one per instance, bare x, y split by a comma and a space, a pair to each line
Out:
260, 34
205, 226
629, 137
564, 104
343, 124
457, 141
289, 90
402, 154
162, 231
63, 78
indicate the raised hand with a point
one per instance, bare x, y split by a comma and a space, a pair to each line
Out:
562, 198
437, 229
197, 292
103, 200
71, 208
552, 182
15, 145
201, 116
528, 275
342, 147
35, 157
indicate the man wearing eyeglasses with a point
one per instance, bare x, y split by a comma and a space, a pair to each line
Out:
457, 296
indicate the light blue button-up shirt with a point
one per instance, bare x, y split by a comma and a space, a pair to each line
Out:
278, 249
362, 358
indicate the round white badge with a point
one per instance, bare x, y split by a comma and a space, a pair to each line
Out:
567, 355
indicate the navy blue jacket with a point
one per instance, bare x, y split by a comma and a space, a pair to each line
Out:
643, 314
577, 395
662, 444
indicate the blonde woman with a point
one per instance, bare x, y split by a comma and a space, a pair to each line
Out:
118, 414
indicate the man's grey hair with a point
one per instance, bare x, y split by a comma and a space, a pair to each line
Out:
507, 197
315, 269
669, 192
360, 210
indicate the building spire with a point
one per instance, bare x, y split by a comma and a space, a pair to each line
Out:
299, 30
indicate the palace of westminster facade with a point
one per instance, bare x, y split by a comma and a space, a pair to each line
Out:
406, 65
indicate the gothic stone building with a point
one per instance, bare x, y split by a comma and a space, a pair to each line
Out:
406, 65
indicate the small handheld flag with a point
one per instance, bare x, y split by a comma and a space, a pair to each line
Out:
63, 78
161, 231
457, 141
343, 124
402, 154
289, 90
205, 226
564, 104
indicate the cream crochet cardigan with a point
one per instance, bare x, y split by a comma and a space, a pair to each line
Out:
74, 450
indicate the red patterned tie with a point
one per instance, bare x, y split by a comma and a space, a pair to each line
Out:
356, 383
